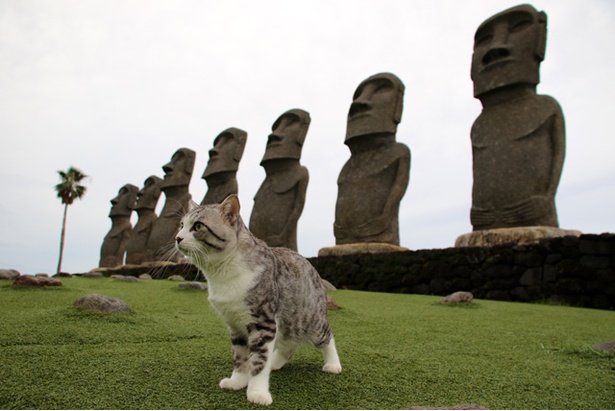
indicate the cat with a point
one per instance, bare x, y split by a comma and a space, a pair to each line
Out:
272, 299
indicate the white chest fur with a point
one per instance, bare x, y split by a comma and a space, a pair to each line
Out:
228, 289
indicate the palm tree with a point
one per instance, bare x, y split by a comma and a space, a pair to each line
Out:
69, 190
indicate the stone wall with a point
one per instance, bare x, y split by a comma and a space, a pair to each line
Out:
578, 271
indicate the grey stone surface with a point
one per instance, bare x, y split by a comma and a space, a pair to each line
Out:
518, 140
516, 235
373, 181
28, 280
178, 173
102, 304
114, 244
360, 248
127, 278
605, 346
137, 251
9, 274
93, 274
221, 171
193, 285
279, 202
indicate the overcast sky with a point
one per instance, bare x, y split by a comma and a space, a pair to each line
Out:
116, 87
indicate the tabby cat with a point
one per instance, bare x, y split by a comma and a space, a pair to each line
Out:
272, 299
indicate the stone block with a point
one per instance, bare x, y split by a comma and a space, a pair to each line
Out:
531, 276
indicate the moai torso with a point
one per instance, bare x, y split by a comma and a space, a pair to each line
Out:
278, 204
370, 187
516, 163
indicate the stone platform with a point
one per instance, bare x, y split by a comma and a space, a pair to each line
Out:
359, 248
516, 235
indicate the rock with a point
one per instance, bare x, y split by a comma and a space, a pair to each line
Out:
145, 277
176, 278
331, 304
9, 274
605, 346
49, 282
455, 407
65, 275
93, 274
157, 264
328, 285
360, 248
516, 235
127, 278
458, 297
193, 284
27, 280
41, 275
102, 304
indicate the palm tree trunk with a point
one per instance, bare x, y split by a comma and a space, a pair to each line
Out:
62, 238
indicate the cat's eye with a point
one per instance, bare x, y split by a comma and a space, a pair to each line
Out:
198, 226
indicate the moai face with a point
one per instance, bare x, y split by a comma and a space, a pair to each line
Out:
287, 135
508, 49
124, 202
226, 152
147, 197
376, 106
178, 171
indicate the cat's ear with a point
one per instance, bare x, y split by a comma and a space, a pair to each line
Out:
230, 208
192, 205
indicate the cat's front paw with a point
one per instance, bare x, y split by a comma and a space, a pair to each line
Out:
259, 397
332, 368
232, 384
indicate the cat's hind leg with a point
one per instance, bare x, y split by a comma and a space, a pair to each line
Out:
282, 352
332, 360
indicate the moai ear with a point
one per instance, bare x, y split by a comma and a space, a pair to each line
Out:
192, 205
230, 208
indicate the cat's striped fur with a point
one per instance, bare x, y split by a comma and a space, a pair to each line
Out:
272, 299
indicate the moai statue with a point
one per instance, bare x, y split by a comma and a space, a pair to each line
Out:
175, 187
518, 141
221, 171
279, 202
147, 198
374, 179
114, 244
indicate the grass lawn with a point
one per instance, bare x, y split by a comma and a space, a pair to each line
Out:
397, 351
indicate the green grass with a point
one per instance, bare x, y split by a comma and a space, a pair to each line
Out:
396, 350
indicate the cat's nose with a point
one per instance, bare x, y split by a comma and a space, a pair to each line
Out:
178, 240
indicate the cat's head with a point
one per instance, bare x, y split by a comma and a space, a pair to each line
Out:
208, 233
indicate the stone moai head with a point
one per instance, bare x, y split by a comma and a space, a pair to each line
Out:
376, 106
287, 135
124, 202
226, 152
178, 171
508, 49
147, 197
